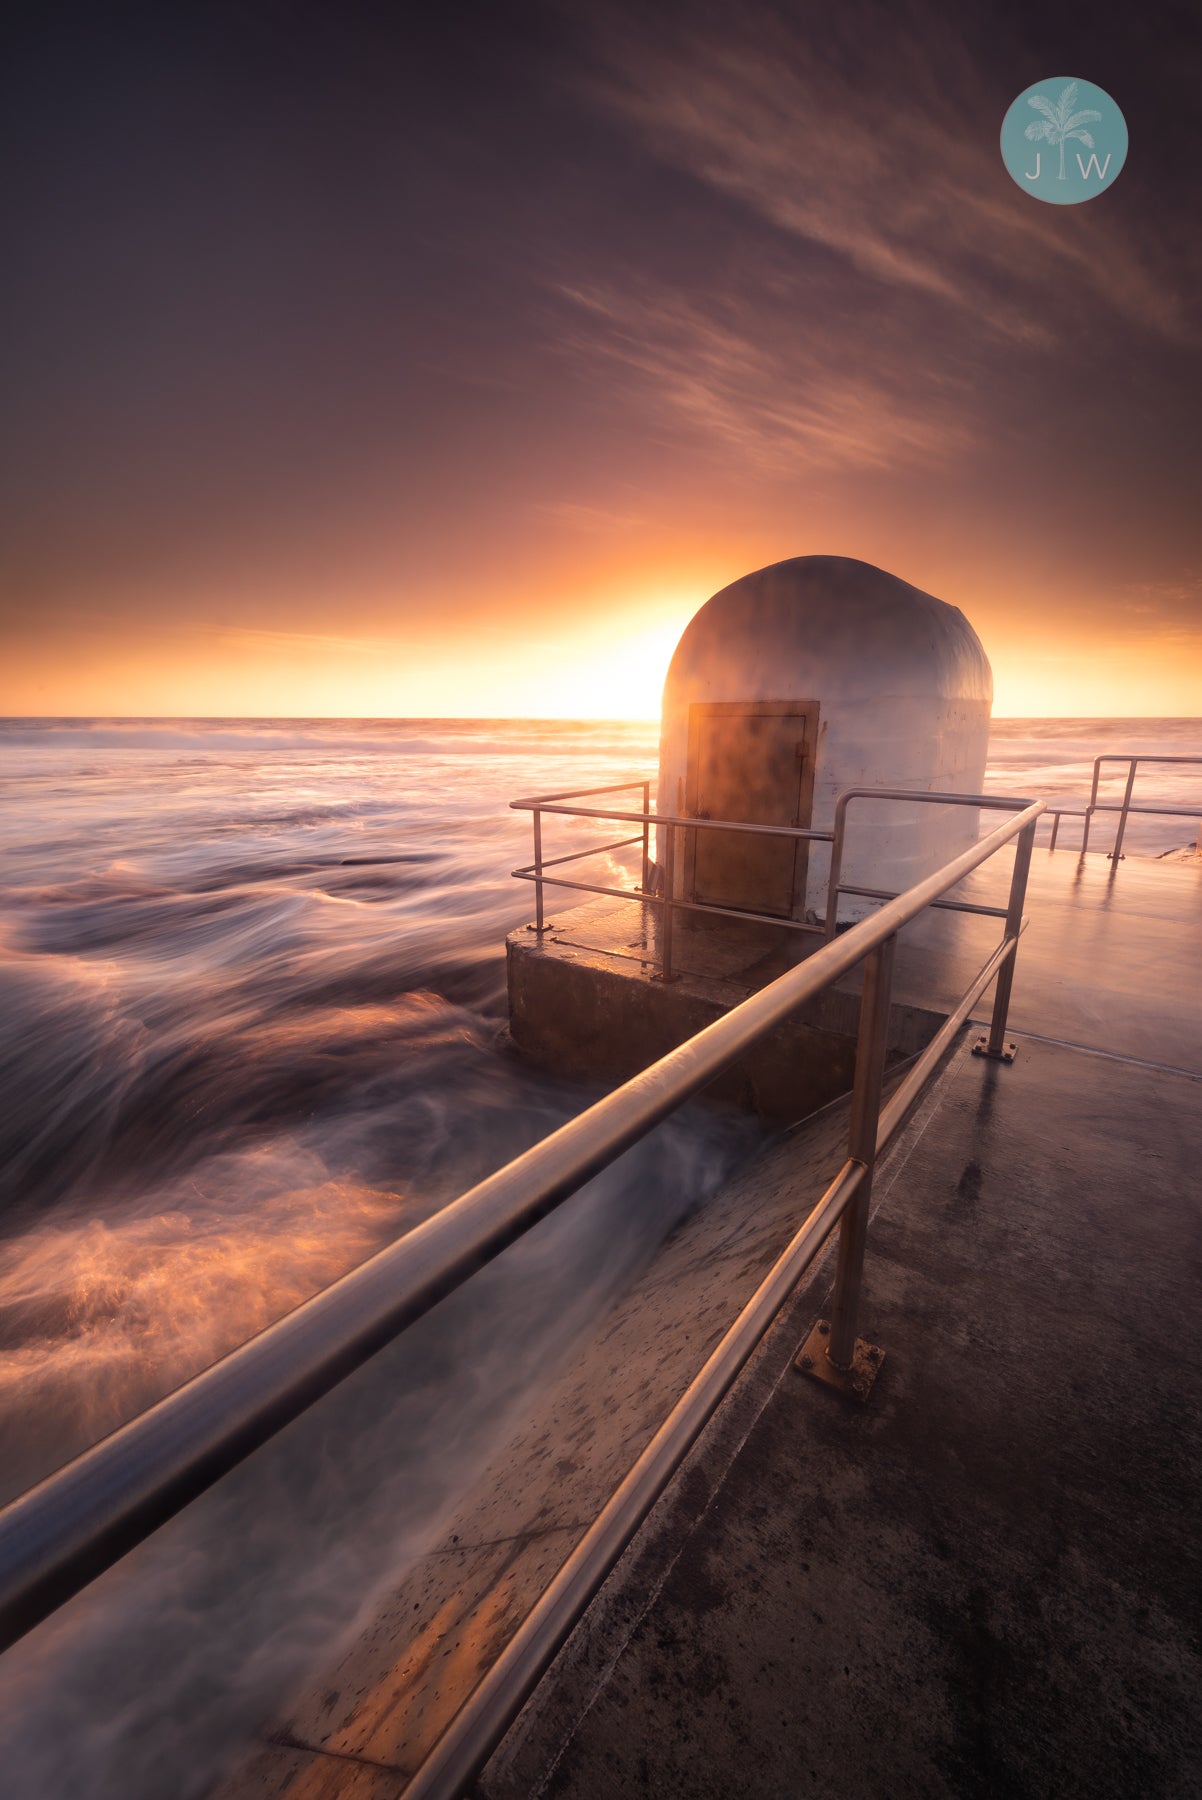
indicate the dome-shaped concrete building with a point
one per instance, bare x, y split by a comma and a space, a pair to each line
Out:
788, 688
795, 683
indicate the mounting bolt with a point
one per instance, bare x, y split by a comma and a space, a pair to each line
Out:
824, 1328
807, 1362
874, 1353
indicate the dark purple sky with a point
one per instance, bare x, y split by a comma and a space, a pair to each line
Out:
354, 365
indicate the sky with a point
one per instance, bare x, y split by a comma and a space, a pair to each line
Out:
359, 364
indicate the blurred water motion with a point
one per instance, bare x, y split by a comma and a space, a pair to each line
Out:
251, 992
251, 979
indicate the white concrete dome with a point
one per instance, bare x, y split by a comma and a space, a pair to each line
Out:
857, 678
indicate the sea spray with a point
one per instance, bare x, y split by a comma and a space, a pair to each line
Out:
153, 1677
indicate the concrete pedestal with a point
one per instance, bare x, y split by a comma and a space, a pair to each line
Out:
587, 1000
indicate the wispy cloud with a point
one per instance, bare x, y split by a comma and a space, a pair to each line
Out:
877, 143
784, 399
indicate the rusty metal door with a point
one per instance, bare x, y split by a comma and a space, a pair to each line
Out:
753, 762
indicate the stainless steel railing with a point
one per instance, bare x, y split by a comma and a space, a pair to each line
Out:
557, 803
551, 803
1126, 806
664, 898
836, 885
482, 1721
78, 1522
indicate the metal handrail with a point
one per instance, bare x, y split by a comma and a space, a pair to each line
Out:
552, 803
1124, 807
1056, 813
612, 787
477, 1728
76, 1523
541, 803
531, 873
835, 887
669, 903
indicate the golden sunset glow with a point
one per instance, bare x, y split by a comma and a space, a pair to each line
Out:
601, 657
417, 397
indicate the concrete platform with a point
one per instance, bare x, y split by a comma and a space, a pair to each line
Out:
1112, 959
588, 1001
382, 1698
988, 1581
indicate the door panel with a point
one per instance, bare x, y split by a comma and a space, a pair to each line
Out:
751, 762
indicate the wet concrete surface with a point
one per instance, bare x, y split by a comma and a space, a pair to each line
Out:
383, 1697
1112, 958
988, 1580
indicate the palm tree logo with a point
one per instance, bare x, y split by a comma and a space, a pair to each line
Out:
1060, 122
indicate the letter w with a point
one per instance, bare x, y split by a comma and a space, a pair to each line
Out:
1087, 169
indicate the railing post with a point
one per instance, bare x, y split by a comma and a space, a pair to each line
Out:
836, 870
665, 941
995, 1044
1055, 830
871, 1050
646, 837
1093, 802
538, 871
1117, 852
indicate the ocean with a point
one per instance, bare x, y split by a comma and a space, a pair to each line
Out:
251, 1029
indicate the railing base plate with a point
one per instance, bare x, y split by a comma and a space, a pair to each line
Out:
855, 1382
1007, 1053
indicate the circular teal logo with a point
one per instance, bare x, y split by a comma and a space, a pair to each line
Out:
1064, 140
